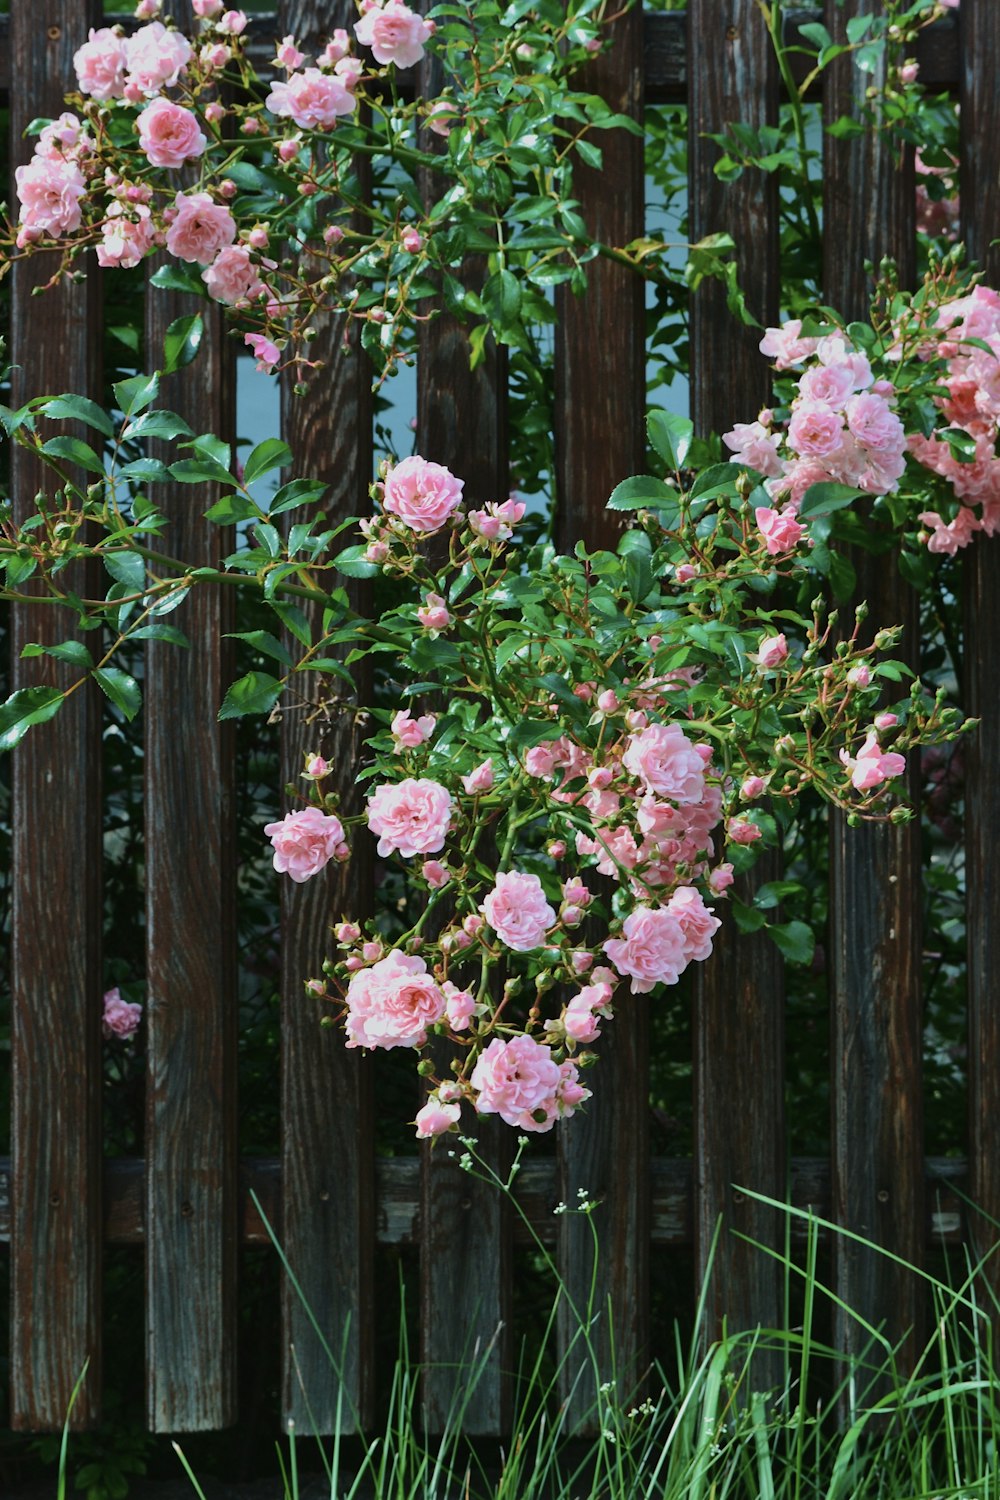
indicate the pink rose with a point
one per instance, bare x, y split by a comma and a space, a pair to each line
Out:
460, 1006
169, 134
100, 65
518, 912
519, 1081
233, 22
786, 346
873, 422
652, 950
441, 117
392, 1003
665, 761
433, 613
435, 873
698, 922
771, 652
479, 780
780, 530
872, 766
207, 9
49, 189
233, 277
409, 733
64, 137
266, 353
580, 1016
287, 55
336, 48
752, 787
314, 100
755, 446
394, 32
721, 878
155, 58
412, 240
815, 430
120, 1019
200, 228
305, 841
886, 721
434, 1118
741, 831
423, 495
125, 240
830, 385
411, 817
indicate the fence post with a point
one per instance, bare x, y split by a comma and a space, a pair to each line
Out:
739, 993
327, 1102
980, 198
191, 1120
57, 848
600, 398
874, 945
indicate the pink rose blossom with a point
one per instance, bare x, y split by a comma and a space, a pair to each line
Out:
815, 430
830, 385
652, 950
392, 1003
754, 446
200, 228
441, 117
860, 676
786, 346
100, 65
771, 652
423, 495
479, 780
434, 1118
125, 240
412, 240
120, 1018
287, 55
207, 9
155, 58
409, 733
872, 765
433, 613
410, 817
233, 277
742, 831
698, 922
347, 932
266, 353
435, 873
886, 721
49, 189
752, 787
336, 48
305, 841
233, 22
169, 134
519, 1081
518, 912
314, 100
459, 1006
65, 136
580, 1015
780, 530
394, 32
721, 878
665, 761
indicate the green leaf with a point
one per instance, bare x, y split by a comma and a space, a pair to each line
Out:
24, 708
122, 689
297, 492
642, 492
159, 633
533, 732
817, 34
718, 479
126, 335
74, 652
962, 445
158, 424
264, 641
795, 940
272, 453
200, 471
352, 563
75, 452
182, 341
501, 297
232, 508
173, 279
79, 409
823, 498
747, 919
670, 435
256, 693
149, 470
136, 393
127, 568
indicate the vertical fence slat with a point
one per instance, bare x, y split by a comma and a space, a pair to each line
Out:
874, 943
465, 1224
191, 1122
328, 1164
739, 992
980, 190
56, 920
599, 404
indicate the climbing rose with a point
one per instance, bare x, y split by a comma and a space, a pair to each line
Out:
518, 912
392, 1003
155, 58
652, 950
49, 189
266, 353
394, 32
666, 762
697, 921
872, 765
434, 1118
120, 1019
314, 100
169, 134
408, 733
233, 277
305, 841
519, 1081
125, 240
771, 652
411, 817
423, 495
100, 65
200, 228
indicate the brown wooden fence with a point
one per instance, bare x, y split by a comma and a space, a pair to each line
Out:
188, 1201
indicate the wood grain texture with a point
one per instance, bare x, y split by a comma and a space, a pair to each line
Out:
874, 941
328, 1164
465, 1286
191, 1119
739, 993
599, 407
980, 196
57, 852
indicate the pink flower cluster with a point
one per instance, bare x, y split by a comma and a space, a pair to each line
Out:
50, 188
520, 1081
305, 841
394, 32
392, 1003
971, 405
410, 817
842, 428
658, 943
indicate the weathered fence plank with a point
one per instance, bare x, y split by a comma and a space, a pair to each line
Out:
57, 851
600, 396
191, 1120
980, 197
739, 992
874, 943
327, 1101
465, 1286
